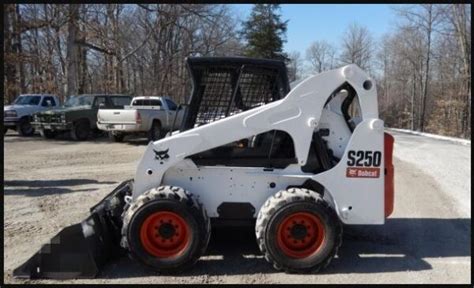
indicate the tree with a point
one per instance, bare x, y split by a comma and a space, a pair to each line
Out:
294, 66
321, 55
425, 17
357, 47
265, 32
73, 50
461, 20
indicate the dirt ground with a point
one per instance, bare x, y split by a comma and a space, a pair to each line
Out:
51, 184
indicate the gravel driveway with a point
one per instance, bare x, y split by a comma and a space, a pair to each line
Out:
52, 184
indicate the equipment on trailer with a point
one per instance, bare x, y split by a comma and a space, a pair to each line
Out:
295, 164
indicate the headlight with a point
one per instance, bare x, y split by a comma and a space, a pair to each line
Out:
10, 113
35, 118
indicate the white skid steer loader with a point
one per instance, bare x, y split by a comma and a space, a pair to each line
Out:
296, 164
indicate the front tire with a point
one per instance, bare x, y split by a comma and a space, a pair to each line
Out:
80, 131
166, 229
25, 128
48, 134
298, 231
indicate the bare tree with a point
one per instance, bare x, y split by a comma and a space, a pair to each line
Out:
73, 52
461, 21
357, 47
294, 66
425, 17
321, 56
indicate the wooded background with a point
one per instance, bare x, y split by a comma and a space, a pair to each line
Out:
422, 66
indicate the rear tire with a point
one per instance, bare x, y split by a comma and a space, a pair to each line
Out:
166, 229
48, 134
80, 131
25, 128
298, 231
155, 131
116, 137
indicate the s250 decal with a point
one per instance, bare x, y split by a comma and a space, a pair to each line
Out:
363, 164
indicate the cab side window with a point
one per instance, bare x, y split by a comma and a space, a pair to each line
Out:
48, 101
171, 105
100, 100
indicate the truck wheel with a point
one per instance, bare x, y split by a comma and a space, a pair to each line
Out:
48, 134
116, 137
297, 231
155, 131
25, 128
166, 229
80, 131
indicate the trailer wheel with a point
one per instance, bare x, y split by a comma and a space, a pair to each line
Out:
80, 130
298, 231
166, 229
155, 131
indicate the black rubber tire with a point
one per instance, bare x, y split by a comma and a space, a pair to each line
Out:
80, 130
116, 137
167, 198
48, 134
284, 203
24, 127
155, 132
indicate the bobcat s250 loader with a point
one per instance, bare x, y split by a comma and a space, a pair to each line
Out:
295, 163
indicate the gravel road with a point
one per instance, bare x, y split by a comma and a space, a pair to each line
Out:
52, 184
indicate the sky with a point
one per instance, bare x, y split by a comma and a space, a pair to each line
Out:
311, 22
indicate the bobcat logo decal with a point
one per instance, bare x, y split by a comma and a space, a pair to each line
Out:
161, 155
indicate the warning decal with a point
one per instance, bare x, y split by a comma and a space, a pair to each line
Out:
353, 172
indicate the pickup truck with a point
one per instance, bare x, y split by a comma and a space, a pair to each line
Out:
18, 116
78, 116
150, 115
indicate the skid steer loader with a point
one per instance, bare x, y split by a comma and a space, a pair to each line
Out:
295, 163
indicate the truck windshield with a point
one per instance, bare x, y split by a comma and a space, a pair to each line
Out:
27, 100
79, 101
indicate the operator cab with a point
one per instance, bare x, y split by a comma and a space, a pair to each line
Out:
225, 86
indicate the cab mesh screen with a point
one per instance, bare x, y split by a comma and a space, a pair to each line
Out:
225, 92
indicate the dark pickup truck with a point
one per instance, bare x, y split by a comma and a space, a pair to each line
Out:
78, 116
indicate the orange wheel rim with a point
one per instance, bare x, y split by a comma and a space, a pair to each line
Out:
300, 235
165, 234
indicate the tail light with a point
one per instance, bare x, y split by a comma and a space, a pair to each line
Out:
138, 118
389, 174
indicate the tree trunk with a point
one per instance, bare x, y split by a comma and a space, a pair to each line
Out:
72, 55
19, 50
427, 68
10, 89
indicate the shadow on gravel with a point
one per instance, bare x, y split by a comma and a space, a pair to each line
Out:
65, 139
35, 192
48, 187
399, 245
52, 183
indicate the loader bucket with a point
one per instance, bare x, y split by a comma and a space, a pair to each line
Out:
81, 250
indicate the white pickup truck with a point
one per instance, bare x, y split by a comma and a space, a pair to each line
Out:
19, 114
152, 115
